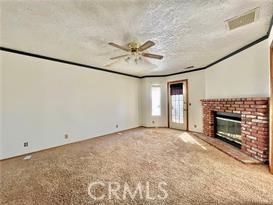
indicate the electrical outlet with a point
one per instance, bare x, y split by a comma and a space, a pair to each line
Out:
66, 136
25, 144
116, 125
195, 126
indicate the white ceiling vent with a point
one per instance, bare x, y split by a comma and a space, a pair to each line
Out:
242, 20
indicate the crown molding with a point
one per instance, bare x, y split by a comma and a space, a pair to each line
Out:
215, 62
10, 50
145, 76
270, 26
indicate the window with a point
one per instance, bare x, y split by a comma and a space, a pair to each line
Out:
177, 108
156, 100
177, 102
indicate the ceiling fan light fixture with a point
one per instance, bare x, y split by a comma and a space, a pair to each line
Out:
133, 59
136, 54
127, 60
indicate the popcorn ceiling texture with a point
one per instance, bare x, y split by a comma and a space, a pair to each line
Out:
185, 32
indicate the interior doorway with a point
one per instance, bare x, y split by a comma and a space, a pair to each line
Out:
178, 105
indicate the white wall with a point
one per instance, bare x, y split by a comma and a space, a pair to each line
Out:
196, 89
148, 119
270, 39
44, 100
1, 105
245, 74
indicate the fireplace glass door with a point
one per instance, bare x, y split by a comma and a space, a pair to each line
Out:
228, 127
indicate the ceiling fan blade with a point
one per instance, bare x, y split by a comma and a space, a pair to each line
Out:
146, 45
113, 58
150, 55
118, 46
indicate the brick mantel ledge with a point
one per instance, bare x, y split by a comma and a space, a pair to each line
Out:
234, 99
254, 113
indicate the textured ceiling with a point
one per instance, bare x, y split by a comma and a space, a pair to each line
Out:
186, 32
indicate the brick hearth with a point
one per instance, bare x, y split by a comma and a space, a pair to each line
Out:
254, 125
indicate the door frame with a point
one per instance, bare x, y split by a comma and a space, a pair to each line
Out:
271, 111
187, 97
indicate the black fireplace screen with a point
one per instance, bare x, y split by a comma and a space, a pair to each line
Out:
228, 127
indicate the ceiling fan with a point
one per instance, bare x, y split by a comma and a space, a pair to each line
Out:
135, 52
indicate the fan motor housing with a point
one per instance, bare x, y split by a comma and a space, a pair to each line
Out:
133, 46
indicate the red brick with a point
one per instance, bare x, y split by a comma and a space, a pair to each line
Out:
249, 102
261, 102
251, 109
254, 127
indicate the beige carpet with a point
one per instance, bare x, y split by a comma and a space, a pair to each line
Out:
194, 172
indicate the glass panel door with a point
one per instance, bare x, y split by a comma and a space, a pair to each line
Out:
178, 105
177, 108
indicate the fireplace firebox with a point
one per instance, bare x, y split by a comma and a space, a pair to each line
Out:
228, 128
243, 121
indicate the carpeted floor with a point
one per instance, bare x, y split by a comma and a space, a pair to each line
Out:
193, 172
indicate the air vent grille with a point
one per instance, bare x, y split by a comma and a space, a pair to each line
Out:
242, 20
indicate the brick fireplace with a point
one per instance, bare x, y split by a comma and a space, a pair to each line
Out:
254, 113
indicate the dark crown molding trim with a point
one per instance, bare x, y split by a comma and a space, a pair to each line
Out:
146, 76
187, 71
270, 26
63, 61
213, 63
221, 59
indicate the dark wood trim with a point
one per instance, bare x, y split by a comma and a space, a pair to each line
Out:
187, 97
215, 62
271, 111
270, 26
188, 116
158, 76
63, 61
146, 76
238, 51
168, 104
